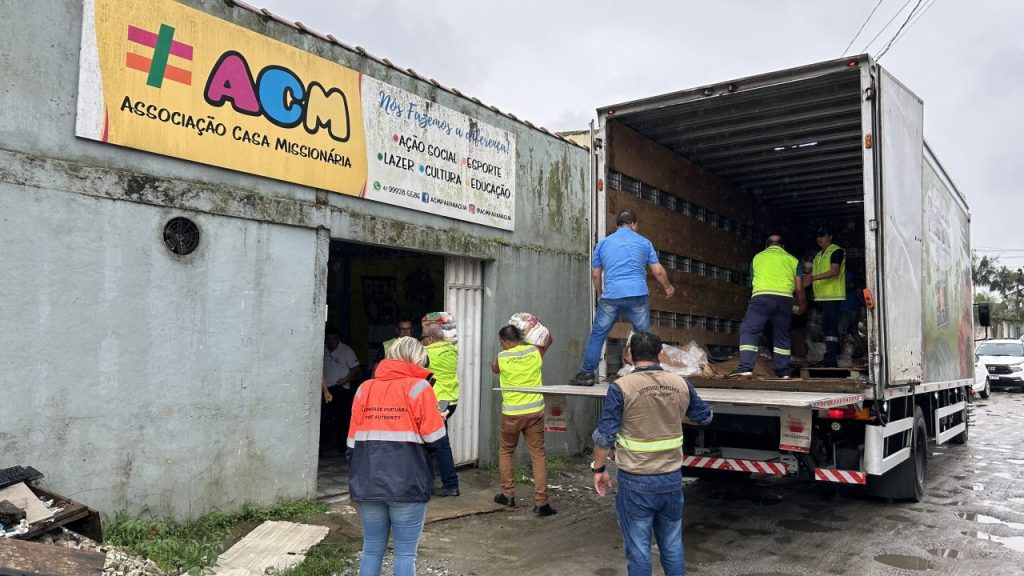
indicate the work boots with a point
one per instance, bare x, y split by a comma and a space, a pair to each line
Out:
582, 379
545, 510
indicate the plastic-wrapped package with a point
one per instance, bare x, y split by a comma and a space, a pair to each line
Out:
533, 331
689, 360
447, 322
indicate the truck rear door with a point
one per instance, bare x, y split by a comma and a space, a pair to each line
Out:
899, 200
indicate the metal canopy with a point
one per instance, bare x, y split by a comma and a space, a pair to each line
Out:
792, 138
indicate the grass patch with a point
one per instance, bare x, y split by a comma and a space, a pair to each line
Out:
326, 560
523, 473
188, 547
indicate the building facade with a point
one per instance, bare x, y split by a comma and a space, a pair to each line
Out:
175, 366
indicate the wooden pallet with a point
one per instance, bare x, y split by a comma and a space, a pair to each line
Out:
854, 372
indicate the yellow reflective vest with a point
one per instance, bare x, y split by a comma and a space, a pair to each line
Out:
774, 272
830, 289
444, 363
520, 367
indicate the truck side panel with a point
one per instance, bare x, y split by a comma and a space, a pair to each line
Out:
948, 314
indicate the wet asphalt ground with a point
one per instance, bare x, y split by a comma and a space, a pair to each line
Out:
970, 523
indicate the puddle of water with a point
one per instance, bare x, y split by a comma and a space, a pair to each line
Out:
1015, 461
1003, 475
1014, 543
960, 477
904, 562
806, 526
944, 553
750, 532
983, 519
975, 487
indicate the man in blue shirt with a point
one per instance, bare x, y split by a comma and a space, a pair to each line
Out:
643, 417
618, 270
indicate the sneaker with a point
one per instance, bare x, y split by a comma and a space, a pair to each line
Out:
545, 510
509, 501
784, 377
738, 373
442, 492
582, 379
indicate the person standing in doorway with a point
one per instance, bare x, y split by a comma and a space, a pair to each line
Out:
402, 328
394, 417
444, 363
643, 417
341, 368
776, 280
828, 283
618, 270
519, 366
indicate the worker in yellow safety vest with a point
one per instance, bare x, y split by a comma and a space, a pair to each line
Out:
519, 366
776, 280
444, 363
828, 282
402, 328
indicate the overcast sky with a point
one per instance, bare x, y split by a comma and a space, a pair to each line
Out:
555, 62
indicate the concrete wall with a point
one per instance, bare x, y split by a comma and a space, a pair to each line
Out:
133, 376
137, 380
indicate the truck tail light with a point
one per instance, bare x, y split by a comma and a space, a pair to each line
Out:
849, 413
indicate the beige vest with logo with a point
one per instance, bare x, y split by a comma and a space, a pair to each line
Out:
654, 405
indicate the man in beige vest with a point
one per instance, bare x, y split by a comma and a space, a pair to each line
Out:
643, 419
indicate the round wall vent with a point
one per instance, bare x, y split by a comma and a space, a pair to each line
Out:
181, 236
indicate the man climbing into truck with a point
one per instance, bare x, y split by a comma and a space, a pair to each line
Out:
618, 270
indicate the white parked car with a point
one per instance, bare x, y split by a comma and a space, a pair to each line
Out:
982, 387
1004, 360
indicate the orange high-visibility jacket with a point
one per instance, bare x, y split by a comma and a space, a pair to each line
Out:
394, 416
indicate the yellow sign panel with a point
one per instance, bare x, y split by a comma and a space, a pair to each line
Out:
165, 78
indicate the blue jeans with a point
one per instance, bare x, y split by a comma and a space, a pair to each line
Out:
636, 309
642, 507
405, 521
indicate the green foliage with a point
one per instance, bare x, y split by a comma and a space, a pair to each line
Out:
523, 474
1007, 283
326, 560
189, 547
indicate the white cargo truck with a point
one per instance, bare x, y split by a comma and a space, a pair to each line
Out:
712, 170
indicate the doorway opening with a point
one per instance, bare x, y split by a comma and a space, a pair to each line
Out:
370, 290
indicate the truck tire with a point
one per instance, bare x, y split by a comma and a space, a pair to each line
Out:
907, 481
988, 389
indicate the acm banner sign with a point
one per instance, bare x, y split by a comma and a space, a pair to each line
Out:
165, 78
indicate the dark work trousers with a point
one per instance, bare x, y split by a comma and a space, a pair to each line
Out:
761, 310
830, 326
445, 458
334, 419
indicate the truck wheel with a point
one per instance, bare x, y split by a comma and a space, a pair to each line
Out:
988, 389
908, 479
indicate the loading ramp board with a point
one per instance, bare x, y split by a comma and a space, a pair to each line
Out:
788, 398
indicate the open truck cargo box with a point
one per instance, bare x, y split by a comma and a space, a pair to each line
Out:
711, 171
